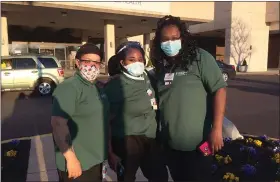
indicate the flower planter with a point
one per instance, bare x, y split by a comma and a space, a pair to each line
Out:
242, 68
248, 159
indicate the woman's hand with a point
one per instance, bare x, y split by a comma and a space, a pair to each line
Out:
216, 139
113, 161
74, 168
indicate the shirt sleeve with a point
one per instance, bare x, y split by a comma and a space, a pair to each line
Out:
210, 72
64, 100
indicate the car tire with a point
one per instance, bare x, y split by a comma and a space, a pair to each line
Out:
225, 76
45, 87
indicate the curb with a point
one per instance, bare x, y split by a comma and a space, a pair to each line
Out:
259, 73
25, 138
50, 134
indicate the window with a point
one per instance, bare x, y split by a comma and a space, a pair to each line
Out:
33, 51
25, 63
6, 64
48, 62
47, 52
60, 53
220, 64
18, 49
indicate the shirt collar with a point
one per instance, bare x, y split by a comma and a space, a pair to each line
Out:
134, 77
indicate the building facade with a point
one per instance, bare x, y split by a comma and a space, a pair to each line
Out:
59, 28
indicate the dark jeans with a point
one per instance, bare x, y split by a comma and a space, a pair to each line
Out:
143, 152
94, 174
189, 166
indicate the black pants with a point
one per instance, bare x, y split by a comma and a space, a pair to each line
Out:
94, 174
189, 166
143, 152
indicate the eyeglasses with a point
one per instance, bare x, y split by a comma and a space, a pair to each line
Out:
91, 61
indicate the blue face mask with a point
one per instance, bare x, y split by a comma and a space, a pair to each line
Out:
135, 69
171, 48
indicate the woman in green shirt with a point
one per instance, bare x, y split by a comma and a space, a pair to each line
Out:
192, 99
133, 110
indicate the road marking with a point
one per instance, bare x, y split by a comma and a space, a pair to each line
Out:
108, 178
41, 158
40, 155
25, 138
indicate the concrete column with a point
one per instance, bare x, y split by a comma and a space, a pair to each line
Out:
84, 37
147, 41
109, 42
4, 37
253, 29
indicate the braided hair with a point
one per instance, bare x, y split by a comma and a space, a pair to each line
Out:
188, 52
114, 65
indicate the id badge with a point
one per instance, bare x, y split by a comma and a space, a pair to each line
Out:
154, 104
167, 83
169, 77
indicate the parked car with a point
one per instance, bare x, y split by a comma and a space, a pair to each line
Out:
39, 73
228, 71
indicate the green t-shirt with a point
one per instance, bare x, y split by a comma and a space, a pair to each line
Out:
87, 110
131, 106
185, 102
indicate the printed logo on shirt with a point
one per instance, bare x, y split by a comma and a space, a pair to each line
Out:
103, 96
181, 73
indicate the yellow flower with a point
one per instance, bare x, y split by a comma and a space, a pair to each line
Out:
237, 179
226, 176
219, 157
277, 161
11, 153
249, 140
231, 177
258, 143
277, 155
227, 159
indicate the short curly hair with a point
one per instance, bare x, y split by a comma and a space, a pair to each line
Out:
114, 65
187, 54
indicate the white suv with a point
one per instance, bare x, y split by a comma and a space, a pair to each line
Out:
39, 73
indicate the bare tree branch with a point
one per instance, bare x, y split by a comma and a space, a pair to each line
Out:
239, 40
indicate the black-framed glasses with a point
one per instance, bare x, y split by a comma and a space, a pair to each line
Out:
91, 61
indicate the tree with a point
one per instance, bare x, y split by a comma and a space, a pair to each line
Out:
241, 48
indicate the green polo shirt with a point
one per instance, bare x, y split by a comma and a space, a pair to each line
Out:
186, 112
131, 106
87, 109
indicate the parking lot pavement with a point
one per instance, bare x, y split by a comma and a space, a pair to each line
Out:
253, 104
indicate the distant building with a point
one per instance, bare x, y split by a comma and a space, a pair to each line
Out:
59, 28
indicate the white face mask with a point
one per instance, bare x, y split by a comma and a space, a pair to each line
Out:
89, 72
135, 69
